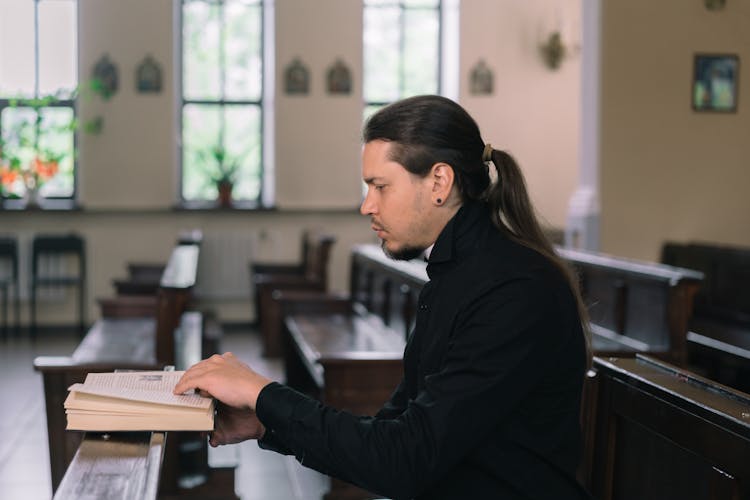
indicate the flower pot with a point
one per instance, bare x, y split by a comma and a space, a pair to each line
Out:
224, 190
32, 197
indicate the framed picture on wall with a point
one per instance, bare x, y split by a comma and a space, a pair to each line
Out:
715, 82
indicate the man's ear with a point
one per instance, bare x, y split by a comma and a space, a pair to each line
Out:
442, 177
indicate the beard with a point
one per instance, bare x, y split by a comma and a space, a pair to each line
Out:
405, 253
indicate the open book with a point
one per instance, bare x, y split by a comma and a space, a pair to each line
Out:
136, 401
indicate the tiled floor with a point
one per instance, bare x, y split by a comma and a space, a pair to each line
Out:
24, 460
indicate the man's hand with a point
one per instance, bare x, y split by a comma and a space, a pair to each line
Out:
234, 425
225, 378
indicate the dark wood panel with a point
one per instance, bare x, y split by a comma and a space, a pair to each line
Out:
643, 306
665, 433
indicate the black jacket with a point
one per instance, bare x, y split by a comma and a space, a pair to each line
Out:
489, 403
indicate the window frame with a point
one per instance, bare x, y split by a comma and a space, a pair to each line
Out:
222, 103
69, 102
402, 29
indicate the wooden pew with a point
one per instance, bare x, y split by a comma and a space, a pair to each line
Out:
664, 433
132, 343
347, 350
118, 466
347, 360
636, 306
109, 345
310, 274
143, 278
719, 337
385, 287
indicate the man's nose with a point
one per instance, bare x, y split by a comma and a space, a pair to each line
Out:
367, 207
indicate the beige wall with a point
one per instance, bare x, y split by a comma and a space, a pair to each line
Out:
317, 136
534, 112
129, 171
132, 163
666, 171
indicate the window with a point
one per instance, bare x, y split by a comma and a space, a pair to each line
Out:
222, 94
38, 78
401, 50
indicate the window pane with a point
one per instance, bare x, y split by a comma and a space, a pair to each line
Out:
381, 54
200, 132
16, 48
201, 66
53, 145
242, 45
421, 52
422, 3
56, 145
242, 142
19, 137
57, 46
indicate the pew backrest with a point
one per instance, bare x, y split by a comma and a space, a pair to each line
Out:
386, 288
725, 294
640, 306
665, 433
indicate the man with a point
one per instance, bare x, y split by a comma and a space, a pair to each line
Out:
489, 403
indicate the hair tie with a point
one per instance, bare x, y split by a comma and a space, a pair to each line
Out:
487, 153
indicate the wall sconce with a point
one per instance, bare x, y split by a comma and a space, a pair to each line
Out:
553, 50
559, 36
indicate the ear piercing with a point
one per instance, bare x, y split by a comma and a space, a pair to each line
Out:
439, 201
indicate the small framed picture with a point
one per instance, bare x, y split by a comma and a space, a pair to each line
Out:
339, 78
296, 78
481, 80
715, 82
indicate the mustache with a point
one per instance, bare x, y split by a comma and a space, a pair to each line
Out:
376, 223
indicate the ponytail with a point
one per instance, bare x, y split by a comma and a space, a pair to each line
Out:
514, 215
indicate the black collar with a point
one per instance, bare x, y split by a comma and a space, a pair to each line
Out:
458, 238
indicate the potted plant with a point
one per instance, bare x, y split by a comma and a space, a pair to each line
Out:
29, 158
224, 175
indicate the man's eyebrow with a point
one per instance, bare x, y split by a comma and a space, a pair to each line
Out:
371, 180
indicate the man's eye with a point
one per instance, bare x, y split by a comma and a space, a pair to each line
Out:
379, 187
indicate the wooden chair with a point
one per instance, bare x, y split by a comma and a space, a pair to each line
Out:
9, 283
310, 274
66, 245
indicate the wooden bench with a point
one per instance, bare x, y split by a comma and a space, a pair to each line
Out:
636, 306
310, 274
347, 350
173, 337
144, 278
118, 466
664, 433
719, 337
385, 287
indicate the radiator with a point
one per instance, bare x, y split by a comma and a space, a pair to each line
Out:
223, 266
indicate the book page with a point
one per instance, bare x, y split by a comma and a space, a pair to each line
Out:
150, 386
